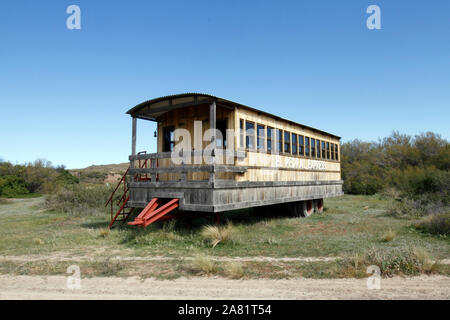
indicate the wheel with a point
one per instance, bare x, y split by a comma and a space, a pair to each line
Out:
318, 205
306, 208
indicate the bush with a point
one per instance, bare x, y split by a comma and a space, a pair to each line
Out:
405, 207
12, 186
438, 224
409, 262
37, 177
79, 200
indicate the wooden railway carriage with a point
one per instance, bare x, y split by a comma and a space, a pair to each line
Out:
233, 157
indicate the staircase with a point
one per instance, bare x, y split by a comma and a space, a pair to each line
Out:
151, 212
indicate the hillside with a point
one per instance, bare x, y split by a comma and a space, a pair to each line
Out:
99, 174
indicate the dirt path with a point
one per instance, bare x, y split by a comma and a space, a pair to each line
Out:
59, 257
54, 287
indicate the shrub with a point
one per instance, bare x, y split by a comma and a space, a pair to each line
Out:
406, 207
216, 235
392, 262
12, 186
438, 224
79, 200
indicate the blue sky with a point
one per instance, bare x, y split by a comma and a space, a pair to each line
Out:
64, 93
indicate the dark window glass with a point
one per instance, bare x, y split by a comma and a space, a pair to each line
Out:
221, 125
279, 140
318, 149
169, 139
332, 151
328, 150
294, 143
324, 156
250, 135
336, 152
313, 147
270, 138
287, 142
261, 137
241, 131
301, 148
307, 146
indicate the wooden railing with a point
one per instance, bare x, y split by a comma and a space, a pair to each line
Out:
183, 169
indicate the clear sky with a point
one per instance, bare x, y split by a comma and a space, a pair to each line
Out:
64, 93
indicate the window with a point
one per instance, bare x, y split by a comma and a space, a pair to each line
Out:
336, 157
328, 150
306, 146
324, 156
169, 139
279, 140
250, 135
261, 137
301, 149
287, 142
313, 147
332, 151
221, 142
319, 154
270, 138
241, 133
294, 144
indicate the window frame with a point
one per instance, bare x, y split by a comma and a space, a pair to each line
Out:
301, 146
307, 147
169, 143
294, 145
286, 143
248, 136
259, 139
270, 138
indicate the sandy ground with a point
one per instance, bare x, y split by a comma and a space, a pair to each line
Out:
54, 287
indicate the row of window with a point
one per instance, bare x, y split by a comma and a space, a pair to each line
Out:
270, 140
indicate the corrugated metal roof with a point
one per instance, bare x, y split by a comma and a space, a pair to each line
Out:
135, 110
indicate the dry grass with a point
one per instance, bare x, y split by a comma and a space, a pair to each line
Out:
389, 236
216, 235
205, 265
104, 232
234, 270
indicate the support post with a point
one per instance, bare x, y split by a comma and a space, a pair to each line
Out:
133, 139
212, 126
212, 122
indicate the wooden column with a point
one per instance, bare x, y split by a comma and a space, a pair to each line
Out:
212, 121
133, 139
212, 126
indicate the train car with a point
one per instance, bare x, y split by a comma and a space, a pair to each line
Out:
215, 155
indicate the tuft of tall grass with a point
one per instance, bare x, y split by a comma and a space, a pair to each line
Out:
205, 265
389, 236
216, 235
234, 270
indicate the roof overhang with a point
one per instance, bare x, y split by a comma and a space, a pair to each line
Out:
155, 108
